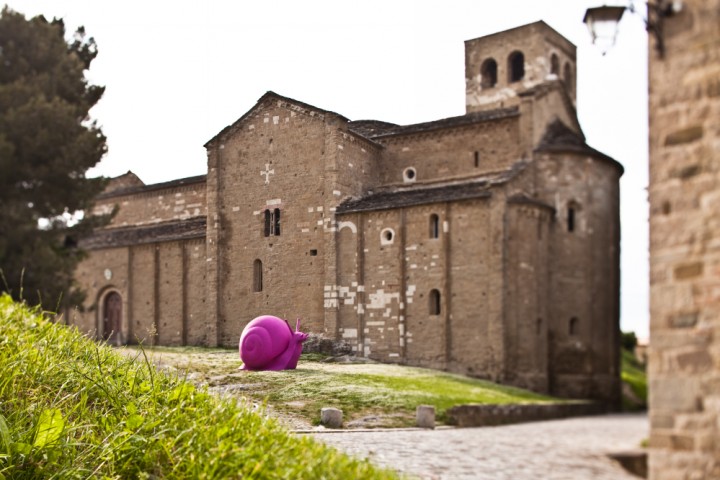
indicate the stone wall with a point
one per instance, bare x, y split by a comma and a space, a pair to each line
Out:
150, 204
465, 152
162, 286
684, 193
539, 45
282, 158
584, 310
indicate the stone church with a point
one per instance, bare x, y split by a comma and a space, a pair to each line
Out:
485, 244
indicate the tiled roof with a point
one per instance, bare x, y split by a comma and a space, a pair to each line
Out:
388, 130
559, 138
160, 232
155, 186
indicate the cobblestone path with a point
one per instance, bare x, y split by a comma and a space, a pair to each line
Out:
572, 449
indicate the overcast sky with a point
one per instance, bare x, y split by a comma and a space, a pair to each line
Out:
177, 72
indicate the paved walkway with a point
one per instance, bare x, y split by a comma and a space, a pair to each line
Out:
572, 449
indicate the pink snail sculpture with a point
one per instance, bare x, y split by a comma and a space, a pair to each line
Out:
268, 343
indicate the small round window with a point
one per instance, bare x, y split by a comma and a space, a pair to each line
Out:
409, 174
387, 236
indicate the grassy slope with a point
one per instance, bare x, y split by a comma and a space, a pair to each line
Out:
633, 374
72, 409
360, 390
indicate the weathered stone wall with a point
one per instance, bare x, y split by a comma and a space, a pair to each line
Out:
684, 192
449, 155
278, 157
476, 250
527, 290
584, 271
407, 296
151, 205
538, 43
162, 287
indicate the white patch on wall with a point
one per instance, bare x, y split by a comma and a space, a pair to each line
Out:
406, 149
340, 147
411, 247
337, 193
349, 333
276, 120
274, 201
235, 209
392, 355
446, 226
266, 120
381, 300
310, 209
251, 127
319, 209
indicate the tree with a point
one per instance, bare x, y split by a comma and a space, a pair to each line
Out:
47, 144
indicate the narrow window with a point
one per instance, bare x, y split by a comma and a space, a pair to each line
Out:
554, 65
567, 76
477, 159
276, 222
257, 276
573, 326
434, 226
571, 219
488, 73
268, 221
434, 300
516, 67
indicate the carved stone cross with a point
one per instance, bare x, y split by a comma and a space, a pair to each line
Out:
267, 172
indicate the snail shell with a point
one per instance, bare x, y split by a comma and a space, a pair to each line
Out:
268, 343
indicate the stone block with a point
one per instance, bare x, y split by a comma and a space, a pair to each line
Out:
425, 416
331, 417
689, 270
674, 393
686, 135
695, 361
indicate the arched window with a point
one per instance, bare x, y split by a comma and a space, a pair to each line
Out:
257, 276
276, 221
272, 222
434, 226
573, 326
434, 302
268, 222
488, 73
516, 66
554, 65
567, 76
571, 218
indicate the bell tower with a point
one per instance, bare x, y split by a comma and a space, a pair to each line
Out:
500, 66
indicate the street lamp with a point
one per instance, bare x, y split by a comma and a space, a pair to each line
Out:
603, 22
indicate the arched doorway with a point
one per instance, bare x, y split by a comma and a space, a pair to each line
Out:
112, 317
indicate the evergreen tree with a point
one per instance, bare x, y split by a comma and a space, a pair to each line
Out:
47, 143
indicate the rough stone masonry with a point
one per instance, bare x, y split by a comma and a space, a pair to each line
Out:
485, 244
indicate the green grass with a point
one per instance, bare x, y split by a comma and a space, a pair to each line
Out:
389, 393
70, 408
633, 374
